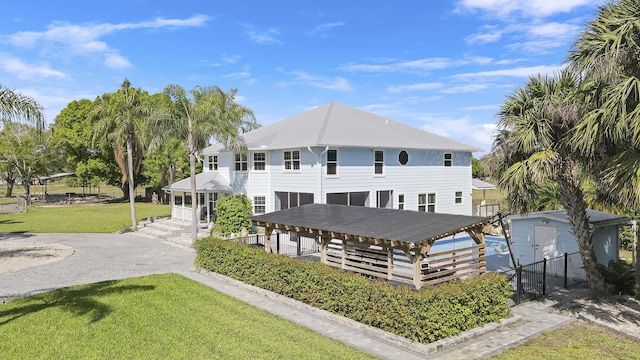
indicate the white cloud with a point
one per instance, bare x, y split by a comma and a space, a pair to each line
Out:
462, 129
323, 82
66, 38
420, 65
266, 36
231, 59
322, 29
413, 87
22, 70
116, 61
524, 8
465, 88
521, 72
489, 34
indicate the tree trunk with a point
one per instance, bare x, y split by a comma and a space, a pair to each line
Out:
10, 184
636, 286
192, 172
573, 201
132, 197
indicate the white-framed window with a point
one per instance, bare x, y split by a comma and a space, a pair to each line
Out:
431, 203
213, 162
378, 162
241, 162
332, 162
448, 159
458, 198
259, 161
401, 201
291, 160
422, 202
259, 204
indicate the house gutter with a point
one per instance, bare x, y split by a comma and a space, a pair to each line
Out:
319, 180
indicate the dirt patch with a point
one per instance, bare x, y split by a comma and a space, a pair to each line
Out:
16, 256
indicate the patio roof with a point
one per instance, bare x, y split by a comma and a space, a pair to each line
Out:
208, 181
414, 227
477, 184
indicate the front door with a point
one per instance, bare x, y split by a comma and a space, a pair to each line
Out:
545, 242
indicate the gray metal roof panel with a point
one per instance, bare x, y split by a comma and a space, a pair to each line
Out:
478, 184
339, 125
595, 217
391, 224
205, 181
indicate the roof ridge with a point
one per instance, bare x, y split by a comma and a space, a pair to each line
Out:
325, 122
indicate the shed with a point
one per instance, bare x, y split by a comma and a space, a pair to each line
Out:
547, 234
385, 243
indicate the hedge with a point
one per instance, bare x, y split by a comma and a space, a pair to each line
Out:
427, 315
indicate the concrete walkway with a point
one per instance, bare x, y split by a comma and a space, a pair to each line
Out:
100, 257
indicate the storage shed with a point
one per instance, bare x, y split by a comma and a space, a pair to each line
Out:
547, 234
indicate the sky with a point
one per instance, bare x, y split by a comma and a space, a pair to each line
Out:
443, 66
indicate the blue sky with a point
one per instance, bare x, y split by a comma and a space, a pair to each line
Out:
441, 66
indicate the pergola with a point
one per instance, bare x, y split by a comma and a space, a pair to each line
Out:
385, 243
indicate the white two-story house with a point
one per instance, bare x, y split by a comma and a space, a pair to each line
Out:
335, 154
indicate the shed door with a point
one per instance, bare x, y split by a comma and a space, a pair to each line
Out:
545, 242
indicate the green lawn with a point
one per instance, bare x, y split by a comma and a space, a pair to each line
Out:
90, 218
578, 340
153, 317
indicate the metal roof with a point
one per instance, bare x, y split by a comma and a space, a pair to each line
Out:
208, 181
596, 217
477, 184
339, 125
389, 224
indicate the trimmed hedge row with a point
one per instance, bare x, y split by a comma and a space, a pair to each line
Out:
424, 316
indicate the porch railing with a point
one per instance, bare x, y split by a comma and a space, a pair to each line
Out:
290, 244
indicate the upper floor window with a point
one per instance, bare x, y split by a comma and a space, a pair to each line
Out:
403, 157
332, 162
213, 162
448, 159
458, 197
259, 205
378, 162
241, 162
422, 202
259, 161
292, 160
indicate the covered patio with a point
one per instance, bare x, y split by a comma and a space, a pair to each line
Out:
385, 243
210, 186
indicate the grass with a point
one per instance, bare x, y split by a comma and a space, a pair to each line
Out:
578, 340
92, 218
154, 317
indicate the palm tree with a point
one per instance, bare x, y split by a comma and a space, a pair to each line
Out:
608, 55
121, 117
14, 105
538, 118
209, 112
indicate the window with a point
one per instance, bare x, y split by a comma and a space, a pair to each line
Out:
401, 201
378, 162
403, 157
458, 197
422, 202
213, 162
431, 203
349, 198
241, 162
259, 161
384, 199
332, 162
286, 200
259, 204
448, 160
292, 160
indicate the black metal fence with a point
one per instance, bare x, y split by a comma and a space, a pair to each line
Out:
543, 277
290, 244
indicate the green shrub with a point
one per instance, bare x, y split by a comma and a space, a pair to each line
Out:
232, 214
425, 316
619, 276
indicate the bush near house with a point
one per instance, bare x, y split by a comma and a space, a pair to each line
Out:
232, 214
424, 316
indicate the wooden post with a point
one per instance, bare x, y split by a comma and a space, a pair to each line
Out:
344, 254
417, 271
267, 239
389, 263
